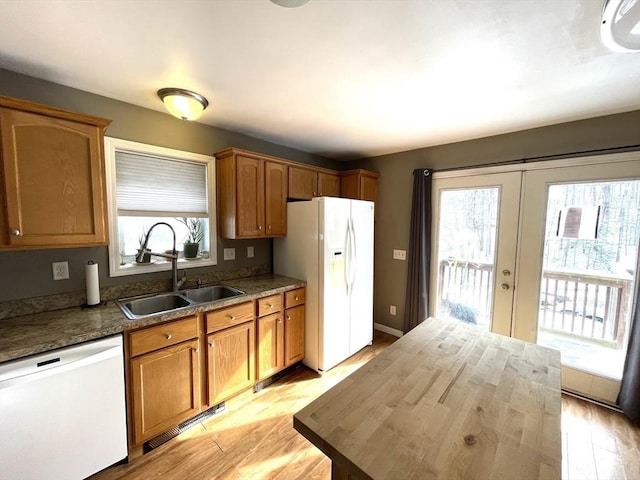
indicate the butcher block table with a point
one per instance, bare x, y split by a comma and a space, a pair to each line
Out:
446, 401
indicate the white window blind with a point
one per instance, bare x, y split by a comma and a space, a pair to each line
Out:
161, 185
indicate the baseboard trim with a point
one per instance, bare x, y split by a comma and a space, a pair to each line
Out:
389, 330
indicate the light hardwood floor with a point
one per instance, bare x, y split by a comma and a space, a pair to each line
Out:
254, 439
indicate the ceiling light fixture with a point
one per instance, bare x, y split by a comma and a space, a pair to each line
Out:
289, 3
620, 26
183, 104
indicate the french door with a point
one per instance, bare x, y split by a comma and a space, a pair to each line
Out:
547, 253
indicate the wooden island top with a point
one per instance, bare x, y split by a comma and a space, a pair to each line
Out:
446, 401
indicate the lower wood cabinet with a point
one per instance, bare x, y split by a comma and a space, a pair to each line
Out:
270, 341
293, 335
179, 368
230, 361
280, 335
165, 389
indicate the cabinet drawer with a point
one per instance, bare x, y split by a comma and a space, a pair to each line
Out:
294, 298
228, 317
271, 304
164, 335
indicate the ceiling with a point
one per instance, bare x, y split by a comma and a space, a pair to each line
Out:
339, 78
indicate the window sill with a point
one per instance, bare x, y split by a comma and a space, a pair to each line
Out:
159, 265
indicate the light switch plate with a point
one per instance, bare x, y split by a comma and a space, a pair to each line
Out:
229, 253
249, 252
399, 254
392, 309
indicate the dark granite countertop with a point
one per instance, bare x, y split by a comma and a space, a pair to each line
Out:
36, 333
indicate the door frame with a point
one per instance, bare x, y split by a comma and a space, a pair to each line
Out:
524, 325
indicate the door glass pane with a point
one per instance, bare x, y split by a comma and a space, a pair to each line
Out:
466, 255
589, 266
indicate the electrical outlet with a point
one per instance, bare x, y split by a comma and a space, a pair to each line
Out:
399, 254
249, 252
60, 270
229, 253
392, 309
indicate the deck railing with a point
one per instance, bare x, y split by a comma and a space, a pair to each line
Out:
592, 307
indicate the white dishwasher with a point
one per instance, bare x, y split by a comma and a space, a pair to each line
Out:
62, 413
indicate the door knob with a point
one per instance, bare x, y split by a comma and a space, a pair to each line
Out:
504, 286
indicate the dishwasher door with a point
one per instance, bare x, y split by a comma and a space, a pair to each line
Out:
62, 414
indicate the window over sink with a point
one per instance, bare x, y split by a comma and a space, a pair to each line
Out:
147, 184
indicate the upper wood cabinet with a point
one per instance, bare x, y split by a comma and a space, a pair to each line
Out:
303, 183
359, 184
252, 195
328, 184
52, 180
307, 183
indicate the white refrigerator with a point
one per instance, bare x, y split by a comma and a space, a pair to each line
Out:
329, 244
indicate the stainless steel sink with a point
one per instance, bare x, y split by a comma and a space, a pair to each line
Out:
140, 307
211, 294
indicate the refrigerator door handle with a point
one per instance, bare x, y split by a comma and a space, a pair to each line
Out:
347, 257
353, 255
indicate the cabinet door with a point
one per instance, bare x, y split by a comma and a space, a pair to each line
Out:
231, 361
303, 183
54, 183
328, 185
276, 198
165, 389
250, 196
368, 188
293, 335
270, 345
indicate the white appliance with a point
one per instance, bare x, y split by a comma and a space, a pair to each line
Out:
62, 413
329, 244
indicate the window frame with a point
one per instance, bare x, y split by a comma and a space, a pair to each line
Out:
113, 145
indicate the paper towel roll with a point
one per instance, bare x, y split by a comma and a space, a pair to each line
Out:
93, 283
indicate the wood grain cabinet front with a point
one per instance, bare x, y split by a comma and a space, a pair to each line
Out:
280, 332
359, 184
230, 361
293, 335
307, 183
165, 389
252, 195
52, 180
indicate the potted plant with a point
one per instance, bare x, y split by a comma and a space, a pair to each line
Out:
194, 236
146, 258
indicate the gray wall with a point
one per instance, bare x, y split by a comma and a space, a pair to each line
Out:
28, 273
393, 208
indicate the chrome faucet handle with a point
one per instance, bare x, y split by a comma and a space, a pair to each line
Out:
182, 281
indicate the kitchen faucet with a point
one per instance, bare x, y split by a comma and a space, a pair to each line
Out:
175, 283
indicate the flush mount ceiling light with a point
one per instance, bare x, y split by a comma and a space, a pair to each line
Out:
620, 26
289, 3
183, 104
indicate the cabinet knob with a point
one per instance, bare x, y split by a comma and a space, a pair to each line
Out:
288, 317
212, 344
231, 317
269, 305
15, 233
296, 298
279, 320
196, 350
259, 227
269, 227
168, 336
